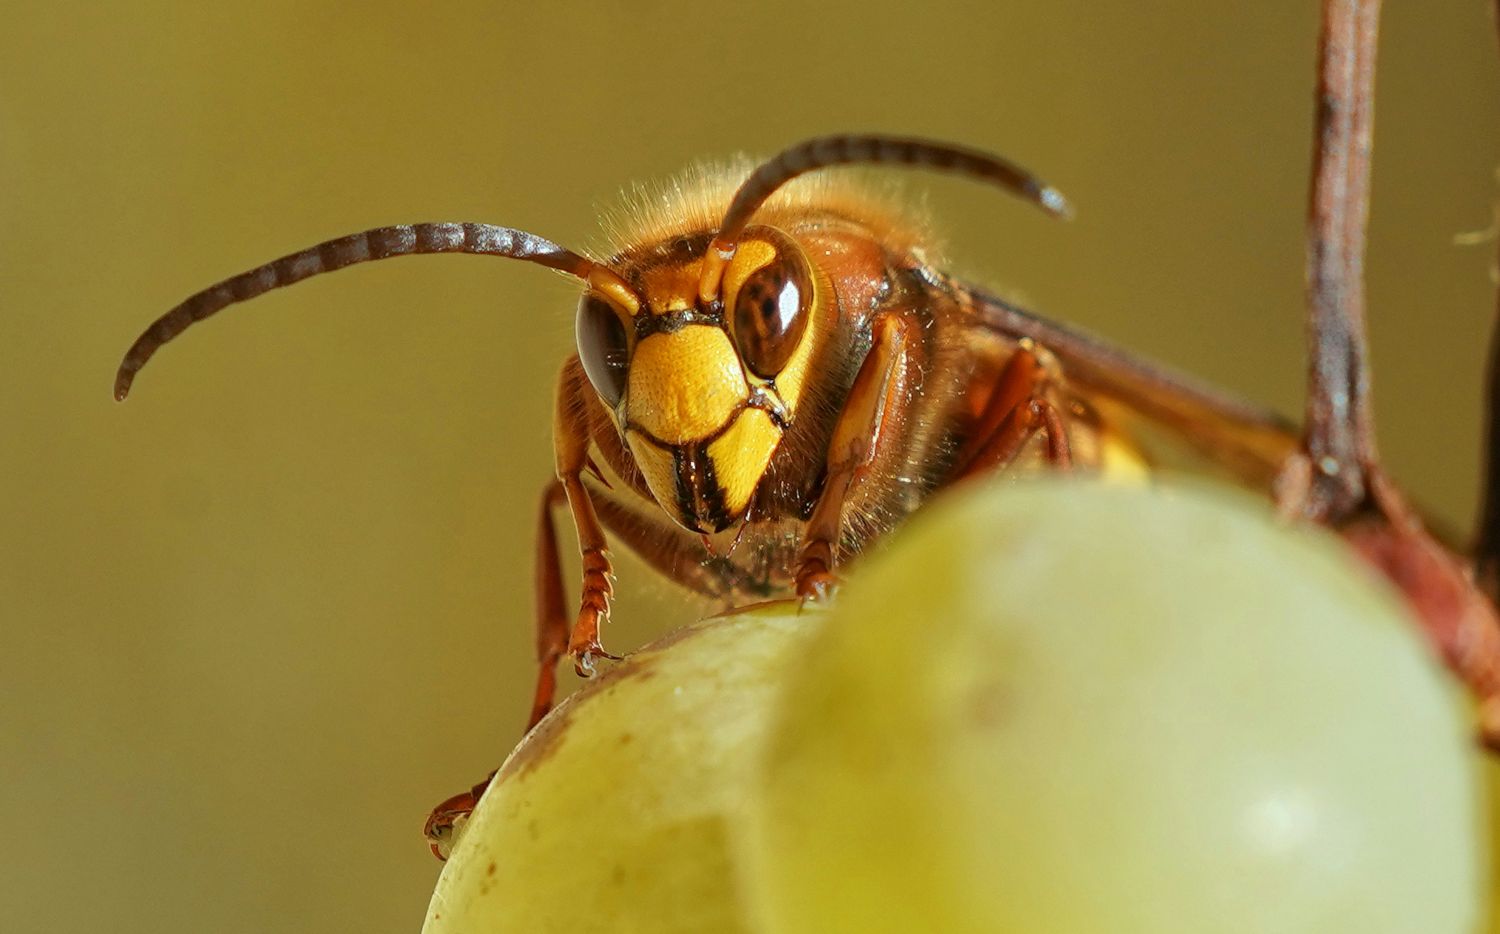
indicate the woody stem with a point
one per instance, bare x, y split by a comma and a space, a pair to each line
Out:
1487, 543
1339, 437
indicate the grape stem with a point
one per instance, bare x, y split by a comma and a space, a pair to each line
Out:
1336, 478
1329, 480
1487, 541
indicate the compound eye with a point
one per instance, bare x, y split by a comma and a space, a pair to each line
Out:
769, 313
603, 347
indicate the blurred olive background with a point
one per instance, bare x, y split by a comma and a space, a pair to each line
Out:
254, 623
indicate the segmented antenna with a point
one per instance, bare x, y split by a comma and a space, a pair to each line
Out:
379, 243
825, 151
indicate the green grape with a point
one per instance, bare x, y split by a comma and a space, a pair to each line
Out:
613, 815
1063, 707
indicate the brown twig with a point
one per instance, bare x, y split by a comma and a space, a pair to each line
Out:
1487, 541
1336, 479
1329, 481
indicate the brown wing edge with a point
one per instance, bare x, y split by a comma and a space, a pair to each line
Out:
1248, 440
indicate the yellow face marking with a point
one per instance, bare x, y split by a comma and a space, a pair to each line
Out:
684, 385
740, 456
751, 256
672, 288
656, 466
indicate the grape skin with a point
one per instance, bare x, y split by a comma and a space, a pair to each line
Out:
1067, 707
1045, 707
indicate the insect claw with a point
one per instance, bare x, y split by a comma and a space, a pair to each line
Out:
446, 822
583, 665
584, 659
819, 589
